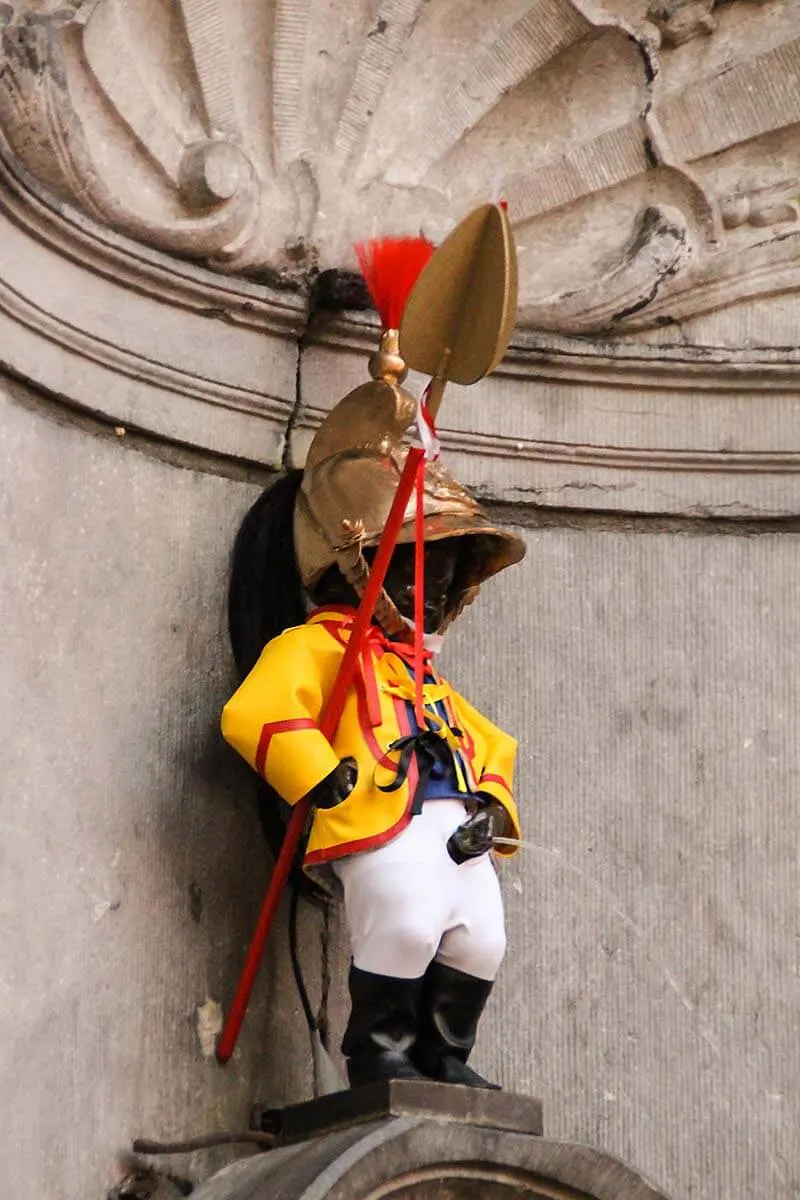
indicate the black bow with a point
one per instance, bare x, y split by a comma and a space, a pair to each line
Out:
429, 749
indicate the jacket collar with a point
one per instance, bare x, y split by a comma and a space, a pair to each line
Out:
338, 619
339, 614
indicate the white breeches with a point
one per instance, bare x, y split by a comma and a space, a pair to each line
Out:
407, 902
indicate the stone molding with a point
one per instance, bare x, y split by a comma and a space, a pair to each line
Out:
142, 339
151, 342
648, 155
622, 428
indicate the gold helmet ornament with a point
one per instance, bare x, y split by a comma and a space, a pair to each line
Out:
448, 313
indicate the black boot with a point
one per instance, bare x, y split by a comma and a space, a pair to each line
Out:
452, 1003
382, 1027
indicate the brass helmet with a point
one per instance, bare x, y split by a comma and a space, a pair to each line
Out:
350, 479
455, 310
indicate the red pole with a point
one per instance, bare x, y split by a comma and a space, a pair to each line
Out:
328, 723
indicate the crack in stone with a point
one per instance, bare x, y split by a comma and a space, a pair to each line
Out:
286, 454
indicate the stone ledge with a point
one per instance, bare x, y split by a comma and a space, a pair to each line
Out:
425, 1141
233, 368
402, 1098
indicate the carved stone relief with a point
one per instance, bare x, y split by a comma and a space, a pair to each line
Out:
648, 154
187, 169
681, 20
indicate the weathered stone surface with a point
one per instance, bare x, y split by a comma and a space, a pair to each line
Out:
233, 367
132, 862
564, 425
429, 1155
649, 995
646, 664
144, 340
646, 151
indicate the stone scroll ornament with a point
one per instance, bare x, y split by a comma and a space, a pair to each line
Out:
345, 576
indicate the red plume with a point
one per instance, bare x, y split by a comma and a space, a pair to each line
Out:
391, 267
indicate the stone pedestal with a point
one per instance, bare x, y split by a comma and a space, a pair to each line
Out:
422, 1140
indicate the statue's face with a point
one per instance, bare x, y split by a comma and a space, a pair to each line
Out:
441, 559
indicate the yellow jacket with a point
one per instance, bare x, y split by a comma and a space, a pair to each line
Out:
272, 721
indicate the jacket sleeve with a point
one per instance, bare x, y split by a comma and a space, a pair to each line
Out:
497, 777
273, 718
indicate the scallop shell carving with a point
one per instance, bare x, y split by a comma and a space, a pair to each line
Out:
649, 157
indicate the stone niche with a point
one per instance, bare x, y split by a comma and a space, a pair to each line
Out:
176, 177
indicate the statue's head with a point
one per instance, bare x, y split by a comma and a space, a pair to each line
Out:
351, 475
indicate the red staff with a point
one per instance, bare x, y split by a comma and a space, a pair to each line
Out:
455, 327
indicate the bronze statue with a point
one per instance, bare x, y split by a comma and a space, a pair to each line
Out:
412, 785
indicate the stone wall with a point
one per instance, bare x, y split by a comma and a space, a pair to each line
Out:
133, 865
173, 179
650, 991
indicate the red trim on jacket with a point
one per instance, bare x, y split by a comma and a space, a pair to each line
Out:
365, 720
268, 732
378, 839
376, 644
369, 843
487, 778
